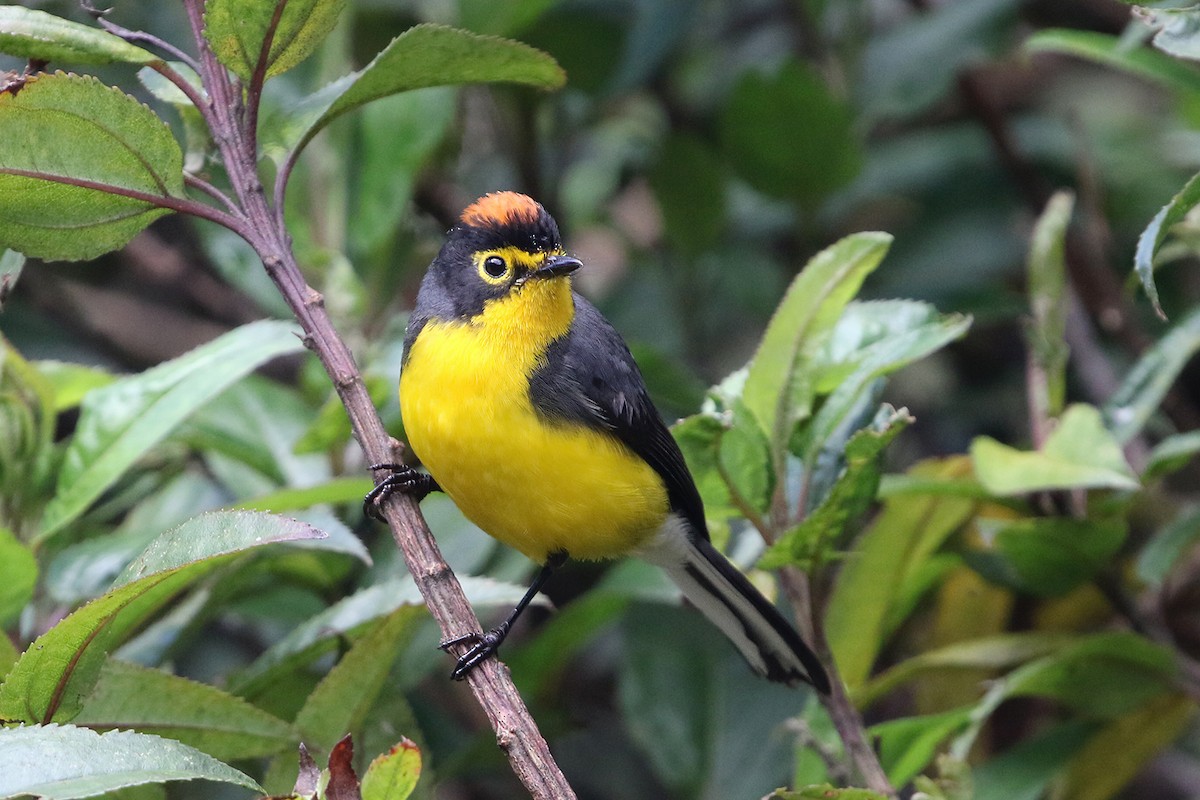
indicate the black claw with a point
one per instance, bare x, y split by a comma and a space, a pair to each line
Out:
403, 479
486, 645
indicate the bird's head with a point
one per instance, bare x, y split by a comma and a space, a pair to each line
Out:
503, 243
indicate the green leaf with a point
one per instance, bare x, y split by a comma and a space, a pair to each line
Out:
345, 695
849, 498
71, 382
336, 491
1047, 302
54, 674
789, 136
1171, 454
776, 391
1167, 547
1118, 752
1156, 233
1078, 454
62, 762
699, 438
122, 421
689, 183
904, 536
1113, 52
63, 140
1143, 389
824, 791
1024, 771
393, 775
908, 745
204, 717
744, 459
237, 30
430, 55
1047, 556
40, 36
11, 264
18, 577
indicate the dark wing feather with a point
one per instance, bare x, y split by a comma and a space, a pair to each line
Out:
589, 377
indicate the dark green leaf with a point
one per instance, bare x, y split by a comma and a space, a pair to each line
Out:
122, 421
1048, 556
200, 716
1156, 233
690, 188
62, 762
1167, 547
18, 576
1079, 453
1143, 389
60, 132
37, 35
789, 136
237, 30
1024, 771
908, 745
430, 55
1171, 454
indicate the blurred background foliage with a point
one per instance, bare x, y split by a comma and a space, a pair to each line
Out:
700, 154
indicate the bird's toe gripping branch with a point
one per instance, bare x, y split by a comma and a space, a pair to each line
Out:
400, 478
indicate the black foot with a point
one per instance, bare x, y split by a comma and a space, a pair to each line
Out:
486, 645
403, 479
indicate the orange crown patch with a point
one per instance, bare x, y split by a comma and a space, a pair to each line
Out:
501, 208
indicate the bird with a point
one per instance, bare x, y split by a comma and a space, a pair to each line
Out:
525, 406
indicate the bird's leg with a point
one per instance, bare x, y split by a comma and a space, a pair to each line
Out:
401, 478
486, 644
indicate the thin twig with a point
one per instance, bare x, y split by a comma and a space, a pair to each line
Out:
259, 76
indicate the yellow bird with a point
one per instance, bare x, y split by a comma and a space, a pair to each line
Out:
527, 409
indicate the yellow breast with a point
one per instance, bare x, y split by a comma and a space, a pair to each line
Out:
536, 486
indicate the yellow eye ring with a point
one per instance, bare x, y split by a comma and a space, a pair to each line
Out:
494, 269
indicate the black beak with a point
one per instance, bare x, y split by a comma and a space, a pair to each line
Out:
556, 266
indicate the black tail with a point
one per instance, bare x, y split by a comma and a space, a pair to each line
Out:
724, 595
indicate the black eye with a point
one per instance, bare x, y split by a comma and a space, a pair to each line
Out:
495, 266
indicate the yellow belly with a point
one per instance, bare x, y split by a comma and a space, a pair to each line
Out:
540, 488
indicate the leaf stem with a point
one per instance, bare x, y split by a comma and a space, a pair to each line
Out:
100, 14
196, 182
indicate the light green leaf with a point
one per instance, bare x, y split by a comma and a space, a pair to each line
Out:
1156, 233
237, 30
18, 576
52, 677
1113, 52
825, 791
908, 745
393, 775
71, 382
63, 139
848, 499
1079, 453
201, 716
1047, 302
62, 762
336, 491
122, 421
430, 55
1143, 389
904, 536
32, 34
775, 390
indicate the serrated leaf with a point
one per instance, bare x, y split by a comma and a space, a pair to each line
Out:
848, 499
237, 30
54, 674
32, 34
774, 390
122, 421
393, 775
431, 55
62, 762
1143, 389
1079, 453
201, 716
63, 139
